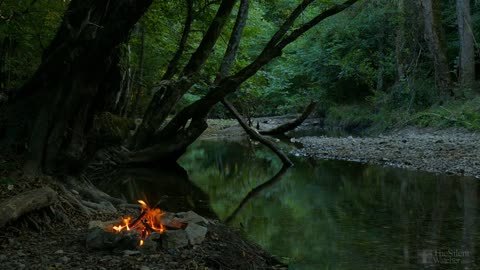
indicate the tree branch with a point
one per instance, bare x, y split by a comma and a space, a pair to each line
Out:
200, 56
172, 66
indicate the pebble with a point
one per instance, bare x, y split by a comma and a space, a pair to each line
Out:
59, 251
441, 151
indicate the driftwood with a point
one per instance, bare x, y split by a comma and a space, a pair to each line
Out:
291, 125
254, 134
21, 204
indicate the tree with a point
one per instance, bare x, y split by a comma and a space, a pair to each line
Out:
79, 77
467, 49
170, 142
52, 113
435, 37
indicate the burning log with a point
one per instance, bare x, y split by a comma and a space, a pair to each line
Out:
152, 229
21, 204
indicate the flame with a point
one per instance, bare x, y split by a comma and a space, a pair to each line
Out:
145, 224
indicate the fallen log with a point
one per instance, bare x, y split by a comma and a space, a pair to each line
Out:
254, 134
291, 125
23, 203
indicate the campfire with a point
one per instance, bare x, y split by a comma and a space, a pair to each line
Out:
150, 230
149, 220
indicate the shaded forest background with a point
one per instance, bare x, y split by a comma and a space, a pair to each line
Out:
378, 65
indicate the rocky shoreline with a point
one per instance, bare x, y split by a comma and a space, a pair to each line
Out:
451, 151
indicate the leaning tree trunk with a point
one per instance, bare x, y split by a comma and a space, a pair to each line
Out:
53, 111
435, 36
170, 92
170, 142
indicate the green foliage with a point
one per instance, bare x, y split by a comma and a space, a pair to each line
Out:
352, 118
26, 28
459, 113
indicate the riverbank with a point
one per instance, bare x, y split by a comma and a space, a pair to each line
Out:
450, 151
54, 237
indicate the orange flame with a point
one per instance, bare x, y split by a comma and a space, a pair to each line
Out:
145, 224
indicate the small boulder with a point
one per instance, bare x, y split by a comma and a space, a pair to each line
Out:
174, 239
168, 219
191, 217
195, 233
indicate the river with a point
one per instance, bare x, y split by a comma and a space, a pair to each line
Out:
325, 214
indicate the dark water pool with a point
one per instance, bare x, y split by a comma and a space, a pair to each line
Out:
340, 215
321, 214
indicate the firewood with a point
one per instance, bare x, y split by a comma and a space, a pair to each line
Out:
21, 204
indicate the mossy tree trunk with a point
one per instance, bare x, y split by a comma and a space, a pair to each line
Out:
53, 112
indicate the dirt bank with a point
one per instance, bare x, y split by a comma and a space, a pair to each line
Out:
54, 237
453, 151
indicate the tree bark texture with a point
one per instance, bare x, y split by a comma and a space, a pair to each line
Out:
435, 36
53, 112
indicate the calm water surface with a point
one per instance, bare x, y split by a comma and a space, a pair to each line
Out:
340, 215
321, 214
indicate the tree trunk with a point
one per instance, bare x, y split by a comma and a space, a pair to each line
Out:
400, 41
170, 92
467, 49
291, 125
138, 83
173, 64
53, 111
255, 135
190, 122
435, 37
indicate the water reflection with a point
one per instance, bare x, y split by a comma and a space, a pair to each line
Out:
341, 215
169, 187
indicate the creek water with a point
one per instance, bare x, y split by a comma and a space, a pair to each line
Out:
323, 214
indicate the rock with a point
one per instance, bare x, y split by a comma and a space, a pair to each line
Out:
59, 251
144, 268
174, 239
99, 239
168, 219
151, 244
127, 240
130, 252
64, 259
191, 217
3, 257
195, 233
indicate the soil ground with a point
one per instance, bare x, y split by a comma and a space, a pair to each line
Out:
54, 238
